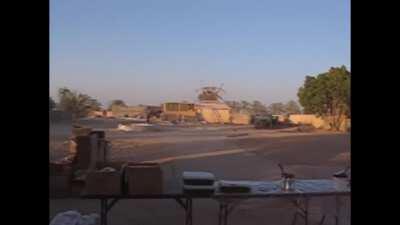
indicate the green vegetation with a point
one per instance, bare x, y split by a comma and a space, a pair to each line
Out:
291, 107
116, 102
257, 108
328, 95
78, 104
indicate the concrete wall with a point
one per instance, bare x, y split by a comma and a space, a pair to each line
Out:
240, 118
131, 111
211, 115
317, 122
101, 114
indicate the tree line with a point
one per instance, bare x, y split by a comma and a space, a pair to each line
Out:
326, 94
258, 108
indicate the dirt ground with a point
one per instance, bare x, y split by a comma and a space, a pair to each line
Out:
230, 152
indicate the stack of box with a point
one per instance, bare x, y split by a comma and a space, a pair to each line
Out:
87, 150
143, 178
83, 152
198, 182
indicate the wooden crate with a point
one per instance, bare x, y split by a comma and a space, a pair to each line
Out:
144, 178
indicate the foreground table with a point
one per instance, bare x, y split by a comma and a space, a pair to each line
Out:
304, 190
184, 200
300, 196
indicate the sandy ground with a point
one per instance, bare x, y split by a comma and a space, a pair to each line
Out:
230, 152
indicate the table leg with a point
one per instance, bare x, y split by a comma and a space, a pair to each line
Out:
103, 211
223, 214
226, 214
301, 211
294, 219
306, 200
322, 220
337, 205
220, 214
189, 212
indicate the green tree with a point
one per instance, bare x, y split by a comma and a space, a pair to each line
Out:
292, 107
78, 104
258, 108
210, 94
235, 106
116, 102
277, 108
327, 94
245, 106
52, 103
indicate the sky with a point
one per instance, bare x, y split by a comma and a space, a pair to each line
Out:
149, 52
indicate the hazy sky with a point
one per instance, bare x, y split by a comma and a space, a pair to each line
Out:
153, 51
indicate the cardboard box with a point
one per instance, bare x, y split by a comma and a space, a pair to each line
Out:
144, 178
80, 131
103, 183
100, 134
60, 169
77, 188
118, 165
59, 186
102, 151
83, 152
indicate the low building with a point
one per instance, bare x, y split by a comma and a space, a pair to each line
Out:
129, 111
319, 122
178, 111
104, 113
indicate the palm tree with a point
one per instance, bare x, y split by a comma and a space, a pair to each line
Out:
77, 104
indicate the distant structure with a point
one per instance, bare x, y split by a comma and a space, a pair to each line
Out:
211, 106
141, 111
178, 111
210, 93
